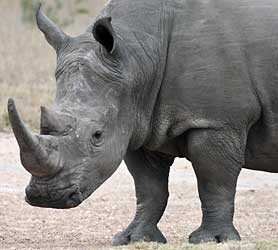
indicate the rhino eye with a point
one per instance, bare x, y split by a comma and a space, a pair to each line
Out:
97, 138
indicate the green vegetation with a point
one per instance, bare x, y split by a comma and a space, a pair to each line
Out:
53, 9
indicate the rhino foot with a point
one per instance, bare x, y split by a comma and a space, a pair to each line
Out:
205, 235
137, 234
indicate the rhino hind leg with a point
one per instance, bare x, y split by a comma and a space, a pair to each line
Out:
217, 158
150, 173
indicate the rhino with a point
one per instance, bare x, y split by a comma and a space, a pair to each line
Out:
149, 81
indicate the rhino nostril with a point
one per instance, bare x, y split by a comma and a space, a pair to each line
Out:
73, 200
44, 130
32, 192
76, 197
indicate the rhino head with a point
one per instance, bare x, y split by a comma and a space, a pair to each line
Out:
85, 134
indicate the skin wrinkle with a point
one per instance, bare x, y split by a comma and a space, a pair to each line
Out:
146, 116
81, 57
53, 200
152, 64
152, 80
53, 180
47, 188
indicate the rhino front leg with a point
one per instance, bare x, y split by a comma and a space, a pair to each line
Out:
150, 173
217, 158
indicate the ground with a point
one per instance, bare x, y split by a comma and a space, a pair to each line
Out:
93, 224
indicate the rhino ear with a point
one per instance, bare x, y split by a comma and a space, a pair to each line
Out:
53, 34
104, 33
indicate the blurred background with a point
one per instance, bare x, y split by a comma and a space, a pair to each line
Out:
27, 62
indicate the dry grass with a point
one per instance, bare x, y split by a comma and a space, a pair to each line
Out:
27, 63
26, 67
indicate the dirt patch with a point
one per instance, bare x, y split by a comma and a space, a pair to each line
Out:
111, 207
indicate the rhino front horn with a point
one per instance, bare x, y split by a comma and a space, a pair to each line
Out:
38, 154
53, 34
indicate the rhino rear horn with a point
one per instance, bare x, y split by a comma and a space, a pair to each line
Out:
53, 34
49, 122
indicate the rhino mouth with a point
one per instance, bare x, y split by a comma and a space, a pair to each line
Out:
68, 199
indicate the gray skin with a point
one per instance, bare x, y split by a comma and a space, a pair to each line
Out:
163, 79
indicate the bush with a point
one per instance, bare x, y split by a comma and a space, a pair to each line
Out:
53, 9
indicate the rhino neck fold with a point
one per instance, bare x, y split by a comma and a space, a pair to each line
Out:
145, 49
150, 91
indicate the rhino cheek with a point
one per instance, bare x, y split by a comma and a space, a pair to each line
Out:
95, 176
